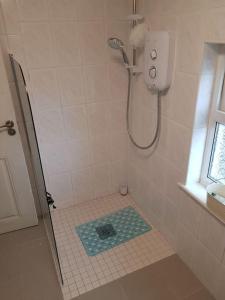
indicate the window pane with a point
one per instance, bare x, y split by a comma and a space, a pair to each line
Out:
222, 99
217, 163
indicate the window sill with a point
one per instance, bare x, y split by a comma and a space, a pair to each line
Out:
198, 192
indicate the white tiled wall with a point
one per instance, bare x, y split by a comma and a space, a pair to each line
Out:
198, 237
77, 89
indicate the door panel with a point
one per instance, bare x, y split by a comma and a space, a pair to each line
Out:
17, 208
8, 204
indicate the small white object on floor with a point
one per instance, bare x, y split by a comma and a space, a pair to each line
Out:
123, 190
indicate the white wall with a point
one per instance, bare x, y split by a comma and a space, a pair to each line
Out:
198, 237
77, 87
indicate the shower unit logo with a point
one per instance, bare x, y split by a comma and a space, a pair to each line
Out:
157, 66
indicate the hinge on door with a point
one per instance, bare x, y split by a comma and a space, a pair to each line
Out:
50, 200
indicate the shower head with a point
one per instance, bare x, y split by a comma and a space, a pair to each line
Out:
117, 44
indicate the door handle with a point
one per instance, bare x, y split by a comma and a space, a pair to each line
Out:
9, 126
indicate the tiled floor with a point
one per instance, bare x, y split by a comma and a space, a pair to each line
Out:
27, 273
168, 279
83, 273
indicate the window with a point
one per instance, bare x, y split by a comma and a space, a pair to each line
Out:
216, 169
213, 168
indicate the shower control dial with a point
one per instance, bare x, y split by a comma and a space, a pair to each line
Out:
153, 54
152, 72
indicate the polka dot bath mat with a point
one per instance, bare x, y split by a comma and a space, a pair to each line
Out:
111, 230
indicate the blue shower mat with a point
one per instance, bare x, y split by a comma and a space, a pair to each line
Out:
120, 226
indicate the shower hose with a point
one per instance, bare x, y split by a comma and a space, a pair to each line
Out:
157, 131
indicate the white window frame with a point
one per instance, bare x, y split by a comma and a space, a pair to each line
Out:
215, 116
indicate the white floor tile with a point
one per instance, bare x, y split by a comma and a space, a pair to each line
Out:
83, 273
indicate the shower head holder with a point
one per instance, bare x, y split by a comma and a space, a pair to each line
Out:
134, 69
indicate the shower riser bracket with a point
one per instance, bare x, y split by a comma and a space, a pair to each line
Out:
134, 69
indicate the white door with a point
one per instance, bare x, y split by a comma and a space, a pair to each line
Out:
17, 208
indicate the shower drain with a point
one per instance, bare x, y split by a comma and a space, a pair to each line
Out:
105, 231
